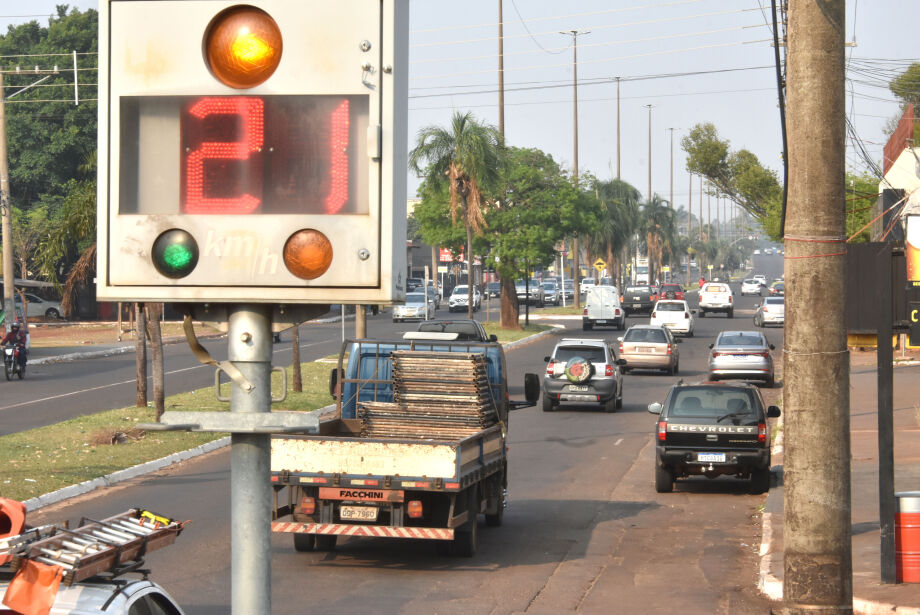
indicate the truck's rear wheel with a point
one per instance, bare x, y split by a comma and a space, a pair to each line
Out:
467, 535
497, 518
760, 480
325, 542
304, 542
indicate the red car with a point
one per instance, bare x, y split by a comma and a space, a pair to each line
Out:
665, 291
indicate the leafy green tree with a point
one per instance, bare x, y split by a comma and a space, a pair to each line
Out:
738, 175
539, 207
468, 157
48, 141
862, 193
906, 86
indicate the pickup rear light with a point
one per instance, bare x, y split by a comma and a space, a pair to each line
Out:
617, 312
654, 314
550, 368
307, 506
621, 347
662, 431
585, 312
686, 314
669, 349
414, 509
761, 432
608, 369
730, 299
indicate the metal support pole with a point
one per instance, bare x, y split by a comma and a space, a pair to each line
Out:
250, 350
886, 499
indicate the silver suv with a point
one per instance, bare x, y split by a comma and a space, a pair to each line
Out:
583, 371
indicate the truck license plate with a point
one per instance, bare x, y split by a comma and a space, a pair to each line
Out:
358, 513
637, 305
720, 457
573, 387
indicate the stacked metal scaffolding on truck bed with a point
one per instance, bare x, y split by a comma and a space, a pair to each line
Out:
437, 396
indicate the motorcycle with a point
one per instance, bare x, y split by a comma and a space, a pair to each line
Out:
12, 363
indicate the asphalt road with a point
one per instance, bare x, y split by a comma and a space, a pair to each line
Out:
584, 529
55, 392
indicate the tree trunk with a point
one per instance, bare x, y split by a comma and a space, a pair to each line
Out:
469, 267
154, 315
575, 272
296, 378
510, 308
817, 544
141, 354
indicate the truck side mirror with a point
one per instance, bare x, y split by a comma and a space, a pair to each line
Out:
334, 383
531, 388
546, 359
655, 408
773, 412
493, 338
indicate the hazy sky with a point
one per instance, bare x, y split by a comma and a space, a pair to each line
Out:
453, 55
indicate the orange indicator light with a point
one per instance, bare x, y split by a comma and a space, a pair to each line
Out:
243, 46
307, 254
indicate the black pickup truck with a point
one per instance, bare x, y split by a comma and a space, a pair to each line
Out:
638, 299
712, 429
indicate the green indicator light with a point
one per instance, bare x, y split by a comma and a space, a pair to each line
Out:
175, 253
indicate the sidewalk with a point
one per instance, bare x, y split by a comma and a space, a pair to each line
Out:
870, 595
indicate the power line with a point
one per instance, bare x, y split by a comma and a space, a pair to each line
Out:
597, 81
606, 99
532, 37
601, 44
594, 27
597, 61
568, 16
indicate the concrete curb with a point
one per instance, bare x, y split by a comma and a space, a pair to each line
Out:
123, 475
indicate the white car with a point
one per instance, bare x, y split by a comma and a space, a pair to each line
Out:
39, 307
585, 284
751, 287
675, 315
123, 596
415, 308
761, 278
460, 296
716, 297
771, 311
756, 252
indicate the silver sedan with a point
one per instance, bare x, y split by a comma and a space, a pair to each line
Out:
743, 355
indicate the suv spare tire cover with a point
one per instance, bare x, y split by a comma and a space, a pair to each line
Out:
578, 369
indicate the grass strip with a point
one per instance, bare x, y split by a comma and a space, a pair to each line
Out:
46, 459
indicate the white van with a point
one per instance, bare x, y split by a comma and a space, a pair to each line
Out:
602, 307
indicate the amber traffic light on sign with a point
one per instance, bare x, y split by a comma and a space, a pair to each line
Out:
243, 46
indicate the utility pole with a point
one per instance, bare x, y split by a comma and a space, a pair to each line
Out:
672, 167
618, 127
701, 208
649, 152
817, 541
689, 222
6, 223
501, 71
574, 34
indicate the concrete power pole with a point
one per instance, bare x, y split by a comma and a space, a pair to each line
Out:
574, 34
618, 128
649, 152
501, 71
817, 552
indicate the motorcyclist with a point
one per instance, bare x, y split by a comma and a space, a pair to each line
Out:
16, 336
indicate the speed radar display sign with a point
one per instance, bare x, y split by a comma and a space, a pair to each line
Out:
252, 152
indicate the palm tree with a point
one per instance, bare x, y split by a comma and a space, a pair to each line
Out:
659, 229
468, 155
621, 202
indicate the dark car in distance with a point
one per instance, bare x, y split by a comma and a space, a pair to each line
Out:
494, 289
638, 299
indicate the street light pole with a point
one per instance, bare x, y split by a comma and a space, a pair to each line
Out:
618, 127
649, 152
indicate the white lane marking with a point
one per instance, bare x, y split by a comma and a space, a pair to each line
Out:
617, 443
115, 384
